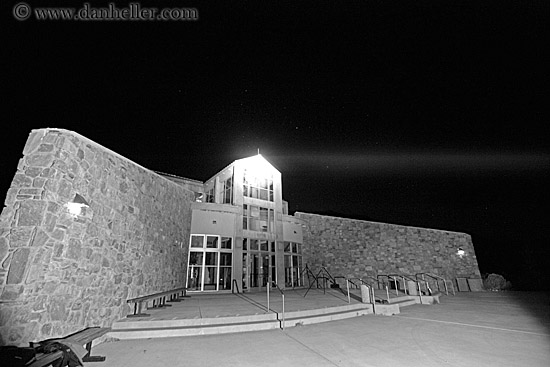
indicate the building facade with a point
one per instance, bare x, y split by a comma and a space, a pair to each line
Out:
84, 229
242, 237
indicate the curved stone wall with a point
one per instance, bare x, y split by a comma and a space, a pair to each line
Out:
61, 272
356, 248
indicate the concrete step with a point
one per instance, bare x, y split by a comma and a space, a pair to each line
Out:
142, 329
192, 330
147, 323
295, 319
402, 300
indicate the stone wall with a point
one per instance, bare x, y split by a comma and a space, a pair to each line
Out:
61, 272
356, 248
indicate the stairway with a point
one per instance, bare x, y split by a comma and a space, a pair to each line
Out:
142, 328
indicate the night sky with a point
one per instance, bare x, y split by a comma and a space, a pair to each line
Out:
424, 113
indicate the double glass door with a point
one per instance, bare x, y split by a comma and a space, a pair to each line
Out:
210, 263
257, 269
209, 271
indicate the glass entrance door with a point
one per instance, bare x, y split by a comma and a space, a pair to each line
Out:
256, 269
210, 263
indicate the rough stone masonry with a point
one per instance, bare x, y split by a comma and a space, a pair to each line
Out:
359, 249
61, 272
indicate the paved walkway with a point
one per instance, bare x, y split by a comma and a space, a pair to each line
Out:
470, 329
210, 305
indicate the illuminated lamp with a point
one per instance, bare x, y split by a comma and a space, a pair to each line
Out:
257, 166
76, 205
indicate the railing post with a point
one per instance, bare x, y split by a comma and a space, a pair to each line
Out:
283, 311
268, 286
347, 284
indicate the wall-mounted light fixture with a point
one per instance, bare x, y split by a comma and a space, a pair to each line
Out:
77, 205
460, 252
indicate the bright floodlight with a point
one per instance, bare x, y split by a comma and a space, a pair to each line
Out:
257, 166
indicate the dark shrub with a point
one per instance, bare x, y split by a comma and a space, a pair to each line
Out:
496, 282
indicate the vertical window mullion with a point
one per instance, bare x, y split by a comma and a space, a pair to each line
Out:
218, 274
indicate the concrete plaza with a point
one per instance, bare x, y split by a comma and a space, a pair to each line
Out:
469, 329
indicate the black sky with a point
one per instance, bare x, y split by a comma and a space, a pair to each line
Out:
428, 113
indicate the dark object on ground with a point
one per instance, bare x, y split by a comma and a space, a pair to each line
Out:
16, 357
63, 352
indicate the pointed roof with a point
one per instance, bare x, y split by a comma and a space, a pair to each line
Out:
255, 162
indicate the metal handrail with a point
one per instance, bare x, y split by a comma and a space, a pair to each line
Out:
427, 283
437, 277
370, 287
347, 285
333, 280
395, 279
283, 296
374, 279
387, 289
403, 277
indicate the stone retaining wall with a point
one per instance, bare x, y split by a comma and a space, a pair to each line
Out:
61, 272
356, 248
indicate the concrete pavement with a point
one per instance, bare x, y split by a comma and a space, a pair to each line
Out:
470, 329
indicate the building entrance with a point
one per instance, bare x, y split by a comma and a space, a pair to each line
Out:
257, 267
210, 263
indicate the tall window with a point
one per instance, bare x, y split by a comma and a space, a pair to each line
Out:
257, 218
257, 187
228, 191
259, 263
293, 264
210, 198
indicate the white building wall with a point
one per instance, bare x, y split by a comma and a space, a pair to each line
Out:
214, 219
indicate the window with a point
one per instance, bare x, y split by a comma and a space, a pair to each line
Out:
259, 263
263, 219
228, 191
257, 188
293, 264
210, 198
253, 245
211, 241
256, 218
210, 263
226, 243
197, 241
